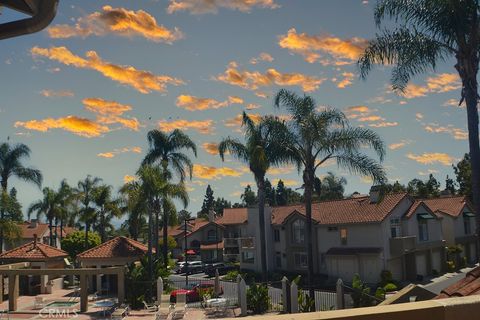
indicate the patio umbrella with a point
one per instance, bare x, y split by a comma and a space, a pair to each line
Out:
217, 283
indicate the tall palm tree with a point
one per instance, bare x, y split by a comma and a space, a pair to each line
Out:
166, 149
48, 206
431, 31
153, 185
260, 151
85, 192
65, 196
135, 207
313, 137
108, 209
11, 158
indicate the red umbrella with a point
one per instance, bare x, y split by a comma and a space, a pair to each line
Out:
191, 252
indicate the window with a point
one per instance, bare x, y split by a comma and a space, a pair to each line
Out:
248, 257
276, 235
395, 227
278, 260
422, 230
212, 235
343, 236
331, 229
467, 225
298, 229
301, 260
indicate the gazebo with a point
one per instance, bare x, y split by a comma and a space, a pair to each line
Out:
40, 256
119, 251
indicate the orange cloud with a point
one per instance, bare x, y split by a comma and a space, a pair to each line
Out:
383, 124
418, 116
454, 103
238, 119
79, 126
398, 145
211, 147
430, 158
440, 83
142, 81
202, 126
116, 152
128, 178
207, 172
456, 133
286, 182
110, 112
312, 47
280, 170
252, 106
346, 81
212, 6
193, 103
118, 21
56, 94
255, 80
262, 57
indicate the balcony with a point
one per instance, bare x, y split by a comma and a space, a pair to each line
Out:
247, 243
231, 257
401, 245
231, 242
423, 245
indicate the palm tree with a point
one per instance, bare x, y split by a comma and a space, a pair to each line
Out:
133, 204
260, 151
433, 31
48, 206
153, 186
108, 209
65, 196
314, 137
85, 192
11, 158
166, 148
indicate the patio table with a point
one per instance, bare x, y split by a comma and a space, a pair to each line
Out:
106, 304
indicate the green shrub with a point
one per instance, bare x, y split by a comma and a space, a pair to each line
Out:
389, 287
380, 293
74, 243
305, 302
361, 293
451, 266
257, 298
386, 277
231, 275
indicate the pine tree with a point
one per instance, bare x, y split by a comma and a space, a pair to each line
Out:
249, 198
450, 185
281, 194
270, 196
208, 203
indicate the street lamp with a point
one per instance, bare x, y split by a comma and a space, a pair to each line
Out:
186, 248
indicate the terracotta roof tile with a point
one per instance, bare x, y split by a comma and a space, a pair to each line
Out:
28, 231
233, 216
345, 211
452, 206
419, 203
468, 286
193, 227
119, 247
33, 251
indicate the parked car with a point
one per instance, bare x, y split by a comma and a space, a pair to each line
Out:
178, 266
213, 266
193, 291
192, 267
222, 268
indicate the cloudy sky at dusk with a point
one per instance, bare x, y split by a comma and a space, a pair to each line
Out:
83, 93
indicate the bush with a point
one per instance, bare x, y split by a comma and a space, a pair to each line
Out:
305, 302
231, 275
74, 243
361, 293
380, 293
389, 287
451, 266
386, 277
257, 298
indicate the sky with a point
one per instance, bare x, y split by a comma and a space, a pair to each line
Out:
83, 93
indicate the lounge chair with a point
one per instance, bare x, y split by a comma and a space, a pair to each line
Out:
120, 312
39, 303
180, 307
150, 307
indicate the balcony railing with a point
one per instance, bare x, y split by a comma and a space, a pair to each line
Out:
247, 243
402, 245
231, 242
231, 257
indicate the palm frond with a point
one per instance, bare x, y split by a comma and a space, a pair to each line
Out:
361, 164
234, 147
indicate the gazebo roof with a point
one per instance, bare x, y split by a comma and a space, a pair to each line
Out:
119, 247
34, 251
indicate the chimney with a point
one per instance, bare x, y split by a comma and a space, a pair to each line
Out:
33, 223
375, 194
211, 215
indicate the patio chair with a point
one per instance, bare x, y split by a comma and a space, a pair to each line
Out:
180, 307
39, 303
120, 312
150, 307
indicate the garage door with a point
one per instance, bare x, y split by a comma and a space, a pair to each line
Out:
370, 269
421, 262
396, 268
437, 260
342, 267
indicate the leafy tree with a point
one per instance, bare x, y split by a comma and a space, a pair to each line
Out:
424, 189
108, 208
450, 186
260, 151
86, 193
270, 196
11, 158
220, 204
286, 196
171, 244
396, 187
258, 300
208, 203
313, 137
463, 174
249, 198
13, 215
74, 243
332, 187
166, 149
425, 32
48, 206
183, 215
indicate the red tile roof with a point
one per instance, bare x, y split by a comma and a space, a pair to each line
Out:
28, 231
33, 251
233, 216
468, 286
419, 203
193, 227
345, 211
119, 247
452, 206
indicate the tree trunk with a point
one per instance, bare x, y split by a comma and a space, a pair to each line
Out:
308, 177
468, 70
61, 231
50, 227
87, 226
150, 258
2, 213
261, 217
165, 237
155, 232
